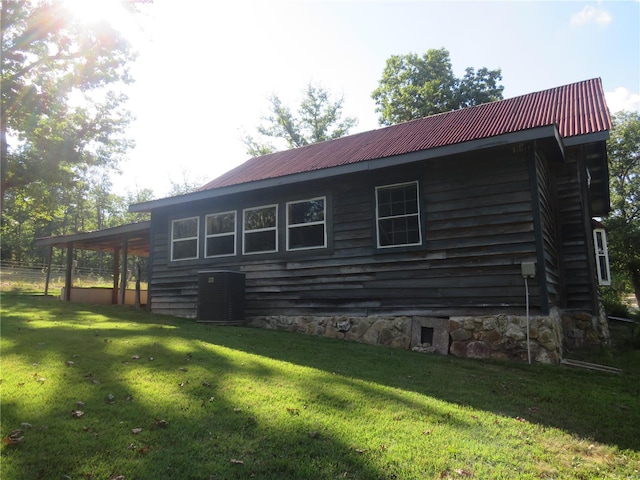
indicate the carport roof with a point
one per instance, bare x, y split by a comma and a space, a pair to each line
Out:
107, 240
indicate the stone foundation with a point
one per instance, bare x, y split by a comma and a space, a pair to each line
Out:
489, 336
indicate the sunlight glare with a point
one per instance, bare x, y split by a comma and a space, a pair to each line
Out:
93, 11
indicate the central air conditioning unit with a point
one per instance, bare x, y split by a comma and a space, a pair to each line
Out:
221, 297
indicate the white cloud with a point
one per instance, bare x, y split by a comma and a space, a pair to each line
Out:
591, 14
622, 99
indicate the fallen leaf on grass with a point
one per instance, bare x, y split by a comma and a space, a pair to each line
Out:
160, 423
69, 363
237, 462
80, 403
136, 430
206, 384
463, 473
360, 450
14, 437
182, 369
25, 425
77, 413
135, 357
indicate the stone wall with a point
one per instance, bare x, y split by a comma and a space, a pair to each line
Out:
505, 336
489, 336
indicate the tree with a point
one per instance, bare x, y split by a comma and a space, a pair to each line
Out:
319, 119
623, 223
59, 115
414, 86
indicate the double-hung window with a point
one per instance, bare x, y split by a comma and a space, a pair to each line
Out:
602, 256
260, 229
398, 215
220, 234
184, 238
306, 226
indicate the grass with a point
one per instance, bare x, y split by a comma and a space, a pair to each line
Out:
163, 397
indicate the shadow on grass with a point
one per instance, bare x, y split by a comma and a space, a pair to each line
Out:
210, 435
191, 426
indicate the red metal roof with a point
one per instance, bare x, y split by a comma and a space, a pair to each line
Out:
576, 109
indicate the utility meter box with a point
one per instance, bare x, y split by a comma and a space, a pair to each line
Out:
221, 297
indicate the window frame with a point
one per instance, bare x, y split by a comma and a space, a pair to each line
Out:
290, 226
604, 278
418, 216
258, 230
234, 234
175, 240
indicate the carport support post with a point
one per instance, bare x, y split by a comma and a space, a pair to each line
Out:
116, 275
68, 273
123, 281
48, 276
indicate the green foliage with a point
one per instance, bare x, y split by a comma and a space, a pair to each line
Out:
623, 223
319, 118
414, 86
63, 125
164, 397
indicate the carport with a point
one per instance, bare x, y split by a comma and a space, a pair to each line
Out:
122, 241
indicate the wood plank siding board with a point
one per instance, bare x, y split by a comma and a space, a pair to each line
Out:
469, 260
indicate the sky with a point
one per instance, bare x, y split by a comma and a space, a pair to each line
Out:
205, 69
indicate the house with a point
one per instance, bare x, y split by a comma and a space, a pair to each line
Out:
449, 233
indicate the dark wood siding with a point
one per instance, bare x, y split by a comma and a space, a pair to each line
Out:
578, 263
477, 228
549, 230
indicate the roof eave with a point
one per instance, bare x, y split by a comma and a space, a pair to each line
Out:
545, 132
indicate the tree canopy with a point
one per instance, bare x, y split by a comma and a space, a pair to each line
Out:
59, 115
624, 179
414, 86
319, 118
63, 123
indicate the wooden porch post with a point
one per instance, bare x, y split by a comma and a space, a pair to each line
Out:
116, 275
67, 278
123, 282
48, 276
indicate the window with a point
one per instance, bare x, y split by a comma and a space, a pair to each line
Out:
184, 238
398, 215
260, 227
220, 237
306, 224
602, 256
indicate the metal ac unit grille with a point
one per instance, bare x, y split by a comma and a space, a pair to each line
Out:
221, 297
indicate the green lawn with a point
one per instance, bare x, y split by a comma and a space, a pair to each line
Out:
110, 392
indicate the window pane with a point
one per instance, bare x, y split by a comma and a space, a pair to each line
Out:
260, 218
604, 271
399, 231
306, 237
221, 223
306, 212
185, 249
223, 245
186, 228
398, 200
260, 242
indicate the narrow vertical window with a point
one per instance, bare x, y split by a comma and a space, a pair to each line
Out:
602, 256
220, 239
398, 215
260, 229
306, 224
184, 238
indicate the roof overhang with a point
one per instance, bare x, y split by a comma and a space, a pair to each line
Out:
549, 134
135, 234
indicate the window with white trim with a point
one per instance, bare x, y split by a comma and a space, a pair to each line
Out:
260, 229
220, 235
184, 238
398, 215
306, 226
602, 256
